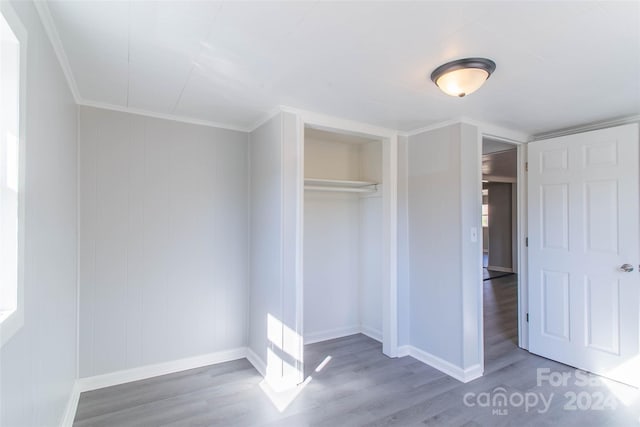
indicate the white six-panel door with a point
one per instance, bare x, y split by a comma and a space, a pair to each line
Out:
583, 226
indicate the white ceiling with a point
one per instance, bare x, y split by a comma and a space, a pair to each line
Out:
559, 64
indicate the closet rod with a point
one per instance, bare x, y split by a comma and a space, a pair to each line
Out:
372, 189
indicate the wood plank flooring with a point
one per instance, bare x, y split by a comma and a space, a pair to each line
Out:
360, 386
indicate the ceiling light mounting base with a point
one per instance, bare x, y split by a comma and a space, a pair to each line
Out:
463, 76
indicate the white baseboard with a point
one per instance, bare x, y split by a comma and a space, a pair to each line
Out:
403, 350
472, 373
371, 333
72, 406
463, 375
257, 362
315, 337
144, 372
502, 269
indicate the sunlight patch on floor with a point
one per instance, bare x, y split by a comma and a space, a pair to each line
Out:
323, 363
629, 371
282, 399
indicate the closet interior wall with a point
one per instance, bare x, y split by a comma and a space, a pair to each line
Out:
342, 237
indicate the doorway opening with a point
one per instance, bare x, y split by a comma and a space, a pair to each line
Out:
500, 249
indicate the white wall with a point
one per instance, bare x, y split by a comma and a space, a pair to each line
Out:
404, 285
371, 268
371, 237
274, 326
265, 275
163, 248
471, 251
331, 242
443, 204
331, 264
38, 365
292, 206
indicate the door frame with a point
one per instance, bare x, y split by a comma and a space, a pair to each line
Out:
389, 140
521, 234
521, 140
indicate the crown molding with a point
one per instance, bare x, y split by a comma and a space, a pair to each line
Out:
154, 115
496, 132
328, 122
54, 37
486, 129
428, 128
588, 127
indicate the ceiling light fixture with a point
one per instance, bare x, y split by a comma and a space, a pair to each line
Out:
463, 76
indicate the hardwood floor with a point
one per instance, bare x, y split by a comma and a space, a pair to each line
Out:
358, 385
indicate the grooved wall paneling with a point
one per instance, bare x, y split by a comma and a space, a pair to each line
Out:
163, 248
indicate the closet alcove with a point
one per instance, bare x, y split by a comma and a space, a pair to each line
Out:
343, 235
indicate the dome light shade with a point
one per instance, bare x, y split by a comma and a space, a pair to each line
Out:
463, 76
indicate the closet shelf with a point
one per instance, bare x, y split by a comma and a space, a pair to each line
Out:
318, 184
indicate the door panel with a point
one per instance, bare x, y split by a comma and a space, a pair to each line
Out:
555, 309
583, 225
601, 216
602, 314
553, 160
555, 216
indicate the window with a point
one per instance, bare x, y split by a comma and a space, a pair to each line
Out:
11, 155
